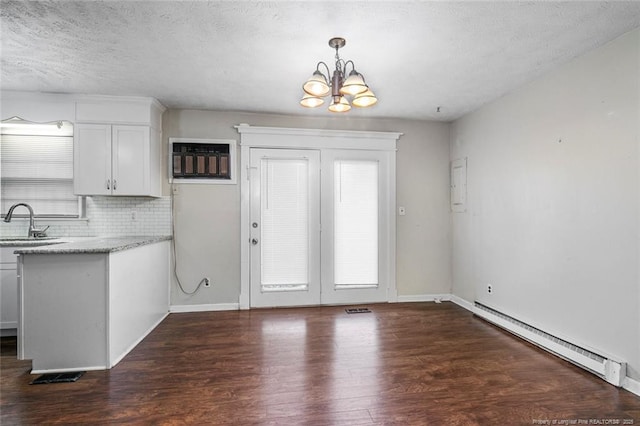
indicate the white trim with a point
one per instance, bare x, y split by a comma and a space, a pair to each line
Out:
631, 385
115, 361
70, 370
245, 249
277, 137
46, 107
73, 97
444, 297
392, 290
462, 303
358, 134
207, 307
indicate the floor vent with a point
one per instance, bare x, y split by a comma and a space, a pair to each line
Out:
357, 310
57, 378
610, 370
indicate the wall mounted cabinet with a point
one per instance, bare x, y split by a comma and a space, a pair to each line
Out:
117, 147
8, 291
117, 139
116, 160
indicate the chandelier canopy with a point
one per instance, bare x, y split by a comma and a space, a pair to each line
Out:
342, 90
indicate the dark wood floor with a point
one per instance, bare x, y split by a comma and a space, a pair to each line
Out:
405, 364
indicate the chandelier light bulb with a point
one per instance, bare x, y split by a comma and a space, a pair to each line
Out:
317, 85
354, 84
341, 105
310, 101
365, 99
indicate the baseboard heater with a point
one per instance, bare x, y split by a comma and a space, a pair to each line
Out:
610, 370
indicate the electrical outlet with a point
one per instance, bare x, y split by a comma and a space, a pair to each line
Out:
489, 288
134, 215
207, 283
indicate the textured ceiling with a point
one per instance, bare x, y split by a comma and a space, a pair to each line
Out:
254, 56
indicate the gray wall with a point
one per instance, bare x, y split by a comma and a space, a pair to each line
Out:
207, 217
553, 192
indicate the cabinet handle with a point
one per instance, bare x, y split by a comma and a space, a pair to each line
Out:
108, 183
114, 184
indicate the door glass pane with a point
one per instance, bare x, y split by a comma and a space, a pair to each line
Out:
284, 212
356, 224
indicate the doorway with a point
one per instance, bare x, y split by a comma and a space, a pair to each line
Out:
319, 222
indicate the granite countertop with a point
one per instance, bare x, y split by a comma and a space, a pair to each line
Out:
71, 245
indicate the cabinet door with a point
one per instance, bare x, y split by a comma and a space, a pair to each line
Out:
8, 289
92, 159
130, 168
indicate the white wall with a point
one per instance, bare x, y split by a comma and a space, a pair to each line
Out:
208, 216
552, 219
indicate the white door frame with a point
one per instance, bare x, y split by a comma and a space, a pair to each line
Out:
292, 138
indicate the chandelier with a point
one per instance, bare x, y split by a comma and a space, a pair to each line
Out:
342, 90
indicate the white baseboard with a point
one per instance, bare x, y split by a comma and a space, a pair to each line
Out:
425, 298
118, 358
69, 370
631, 385
445, 297
462, 303
204, 307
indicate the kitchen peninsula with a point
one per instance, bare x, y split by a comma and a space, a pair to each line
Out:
84, 305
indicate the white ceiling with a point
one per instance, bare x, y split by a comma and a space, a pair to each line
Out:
254, 56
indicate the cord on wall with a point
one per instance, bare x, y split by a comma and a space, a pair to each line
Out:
204, 281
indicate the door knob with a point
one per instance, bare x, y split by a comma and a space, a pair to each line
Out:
254, 241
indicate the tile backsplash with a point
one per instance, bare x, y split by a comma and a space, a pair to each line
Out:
106, 216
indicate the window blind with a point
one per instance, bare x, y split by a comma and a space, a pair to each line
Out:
356, 223
285, 224
38, 170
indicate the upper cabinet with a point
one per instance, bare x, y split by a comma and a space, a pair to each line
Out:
117, 147
117, 139
116, 160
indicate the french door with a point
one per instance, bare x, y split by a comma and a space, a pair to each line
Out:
355, 224
318, 237
285, 227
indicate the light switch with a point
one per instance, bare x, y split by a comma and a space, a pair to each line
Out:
401, 211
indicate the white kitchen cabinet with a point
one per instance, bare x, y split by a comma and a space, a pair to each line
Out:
8, 291
116, 160
87, 310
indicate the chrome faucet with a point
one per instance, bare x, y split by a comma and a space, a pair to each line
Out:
33, 231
